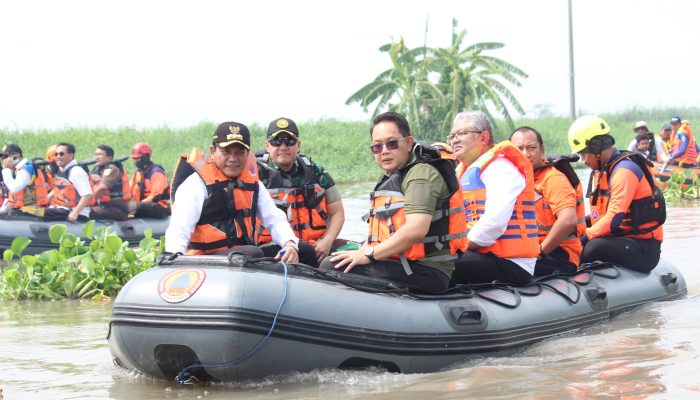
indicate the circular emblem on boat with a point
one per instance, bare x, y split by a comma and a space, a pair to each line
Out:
180, 285
594, 213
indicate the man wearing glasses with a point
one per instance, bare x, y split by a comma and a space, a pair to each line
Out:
416, 218
26, 190
71, 191
499, 201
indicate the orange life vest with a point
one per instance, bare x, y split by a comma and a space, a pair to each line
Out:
305, 204
543, 210
35, 193
141, 186
446, 152
520, 239
65, 193
228, 213
120, 190
646, 213
387, 214
691, 154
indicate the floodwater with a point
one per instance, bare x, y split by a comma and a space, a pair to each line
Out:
55, 350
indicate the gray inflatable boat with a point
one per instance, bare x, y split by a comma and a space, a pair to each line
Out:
211, 318
37, 230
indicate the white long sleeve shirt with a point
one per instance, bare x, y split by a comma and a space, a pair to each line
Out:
503, 184
187, 208
17, 183
80, 179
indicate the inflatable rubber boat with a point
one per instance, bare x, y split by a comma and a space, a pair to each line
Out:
213, 318
664, 172
37, 230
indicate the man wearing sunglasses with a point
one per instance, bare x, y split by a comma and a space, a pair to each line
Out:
217, 197
71, 193
416, 217
303, 190
499, 200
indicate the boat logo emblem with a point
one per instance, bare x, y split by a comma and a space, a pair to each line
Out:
178, 286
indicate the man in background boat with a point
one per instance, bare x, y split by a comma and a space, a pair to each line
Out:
217, 197
25, 190
559, 205
149, 185
665, 139
416, 217
653, 150
499, 200
110, 186
303, 190
627, 210
71, 193
684, 149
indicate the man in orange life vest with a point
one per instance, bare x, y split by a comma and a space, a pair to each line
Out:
499, 202
110, 186
302, 189
71, 193
627, 210
416, 218
559, 205
27, 190
149, 185
217, 197
684, 149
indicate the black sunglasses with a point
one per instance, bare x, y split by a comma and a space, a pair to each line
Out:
60, 154
277, 142
390, 145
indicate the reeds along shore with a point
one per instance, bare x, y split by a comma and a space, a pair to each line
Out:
341, 147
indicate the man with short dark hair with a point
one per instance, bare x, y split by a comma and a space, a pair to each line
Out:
651, 146
110, 186
26, 190
71, 193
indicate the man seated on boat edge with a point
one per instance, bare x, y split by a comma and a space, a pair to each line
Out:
110, 186
302, 189
217, 197
499, 201
653, 149
26, 188
71, 193
416, 217
149, 185
627, 210
684, 148
559, 206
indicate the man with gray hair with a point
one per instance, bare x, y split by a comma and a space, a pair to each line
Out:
499, 201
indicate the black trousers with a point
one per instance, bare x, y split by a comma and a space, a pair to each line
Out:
108, 212
556, 261
307, 253
426, 278
475, 267
150, 210
60, 214
638, 254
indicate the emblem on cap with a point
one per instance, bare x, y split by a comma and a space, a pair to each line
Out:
178, 286
234, 136
282, 123
234, 128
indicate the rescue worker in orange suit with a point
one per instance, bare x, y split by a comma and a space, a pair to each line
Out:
499, 201
110, 186
559, 205
149, 185
71, 193
627, 211
26, 190
684, 149
217, 197
416, 218
303, 190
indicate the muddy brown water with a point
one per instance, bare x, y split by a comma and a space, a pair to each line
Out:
56, 350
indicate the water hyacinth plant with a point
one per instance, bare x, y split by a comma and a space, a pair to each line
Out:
76, 269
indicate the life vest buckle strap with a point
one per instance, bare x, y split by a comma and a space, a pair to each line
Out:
405, 264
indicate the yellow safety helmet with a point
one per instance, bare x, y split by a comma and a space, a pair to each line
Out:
584, 129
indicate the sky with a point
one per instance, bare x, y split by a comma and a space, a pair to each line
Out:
142, 63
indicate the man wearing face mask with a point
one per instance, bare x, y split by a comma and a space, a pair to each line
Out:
149, 185
27, 191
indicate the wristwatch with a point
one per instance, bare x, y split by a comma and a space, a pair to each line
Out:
369, 253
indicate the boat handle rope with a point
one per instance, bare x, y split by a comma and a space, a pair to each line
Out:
562, 294
184, 377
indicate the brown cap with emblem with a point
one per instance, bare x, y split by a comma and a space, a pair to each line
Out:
229, 133
282, 125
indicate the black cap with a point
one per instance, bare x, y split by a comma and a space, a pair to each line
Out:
229, 133
676, 120
11, 148
282, 125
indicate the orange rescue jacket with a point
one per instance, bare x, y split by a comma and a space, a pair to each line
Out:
142, 187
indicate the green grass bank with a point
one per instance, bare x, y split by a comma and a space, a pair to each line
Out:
340, 146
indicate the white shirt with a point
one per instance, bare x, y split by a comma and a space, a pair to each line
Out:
15, 184
187, 208
79, 178
503, 184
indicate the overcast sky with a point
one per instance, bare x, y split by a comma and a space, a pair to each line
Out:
177, 63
